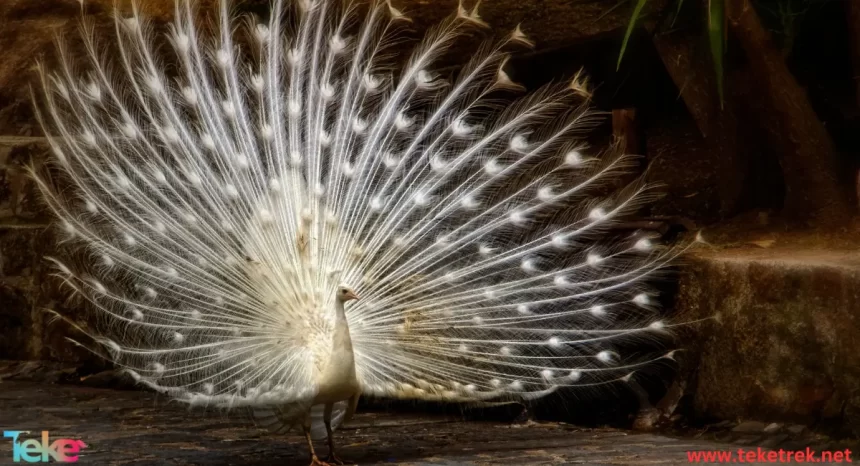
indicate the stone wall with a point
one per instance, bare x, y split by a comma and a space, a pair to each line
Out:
27, 288
28, 28
787, 343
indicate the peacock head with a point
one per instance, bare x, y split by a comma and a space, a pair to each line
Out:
345, 293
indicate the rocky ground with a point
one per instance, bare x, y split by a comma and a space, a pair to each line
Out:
132, 427
129, 427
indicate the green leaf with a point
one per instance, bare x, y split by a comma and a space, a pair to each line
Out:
677, 12
716, 37
614, 7
640, 4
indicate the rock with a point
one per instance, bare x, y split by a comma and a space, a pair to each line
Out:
750, 427
796, 429
794, 445
773, 441
785, 347
110, 379
722, 425
747, 440
825, 446
772, 428
36, 371
646, 419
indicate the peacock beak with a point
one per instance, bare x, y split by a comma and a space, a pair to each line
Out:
350, 295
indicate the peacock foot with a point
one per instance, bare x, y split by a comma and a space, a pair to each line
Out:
332, 458
315, 461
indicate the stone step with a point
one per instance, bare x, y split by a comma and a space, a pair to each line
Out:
787, 343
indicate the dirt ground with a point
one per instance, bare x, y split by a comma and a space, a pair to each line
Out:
130, 427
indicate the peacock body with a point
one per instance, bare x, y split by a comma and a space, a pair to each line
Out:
234, 204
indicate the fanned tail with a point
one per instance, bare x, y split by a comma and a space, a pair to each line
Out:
220, 202
489, 267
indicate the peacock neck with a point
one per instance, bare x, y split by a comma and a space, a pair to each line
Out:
338, 379
342, 339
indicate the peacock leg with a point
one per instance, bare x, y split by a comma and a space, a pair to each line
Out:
332, 457
306, 426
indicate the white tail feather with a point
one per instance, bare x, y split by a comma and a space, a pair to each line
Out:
223, 205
